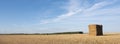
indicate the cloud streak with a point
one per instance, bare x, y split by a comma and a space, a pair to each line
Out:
72, 9
75, 8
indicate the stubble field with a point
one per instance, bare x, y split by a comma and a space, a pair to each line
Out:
60, 39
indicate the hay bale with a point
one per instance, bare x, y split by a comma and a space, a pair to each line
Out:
95, 30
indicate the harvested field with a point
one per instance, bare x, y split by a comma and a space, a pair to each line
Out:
60, 39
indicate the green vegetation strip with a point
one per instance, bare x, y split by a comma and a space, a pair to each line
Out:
44, 33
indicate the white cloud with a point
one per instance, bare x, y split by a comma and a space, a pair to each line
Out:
100, 5
73, 5
113, 11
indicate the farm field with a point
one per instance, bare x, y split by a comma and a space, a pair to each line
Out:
60, 39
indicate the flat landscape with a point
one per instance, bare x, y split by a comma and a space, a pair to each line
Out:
60, 39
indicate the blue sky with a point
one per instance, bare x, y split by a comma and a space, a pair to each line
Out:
44, 16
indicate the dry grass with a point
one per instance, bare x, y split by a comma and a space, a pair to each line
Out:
60, 39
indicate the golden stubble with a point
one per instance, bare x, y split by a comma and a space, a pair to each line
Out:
60, 39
